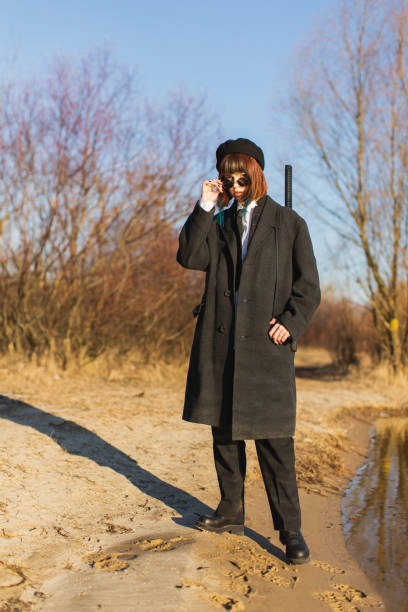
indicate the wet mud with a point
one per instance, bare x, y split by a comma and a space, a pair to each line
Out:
375, 512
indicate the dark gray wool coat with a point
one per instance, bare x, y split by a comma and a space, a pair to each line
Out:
251, 384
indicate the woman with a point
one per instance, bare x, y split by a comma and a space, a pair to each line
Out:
261, 291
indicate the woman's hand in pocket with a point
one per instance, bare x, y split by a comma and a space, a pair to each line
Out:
278, 332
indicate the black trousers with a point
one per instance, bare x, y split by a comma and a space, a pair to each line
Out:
276, 458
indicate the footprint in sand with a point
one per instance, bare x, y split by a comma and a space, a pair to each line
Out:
10, 575
159, 545
221, 601
114, 560
110, 562
347, 599
243, 565
327, 567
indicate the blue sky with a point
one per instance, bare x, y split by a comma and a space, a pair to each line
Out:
239, 53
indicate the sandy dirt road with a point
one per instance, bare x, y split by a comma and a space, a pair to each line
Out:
101, 483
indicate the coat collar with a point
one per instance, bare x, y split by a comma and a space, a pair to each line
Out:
269, 211
269, 216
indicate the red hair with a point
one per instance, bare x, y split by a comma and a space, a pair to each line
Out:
239, 162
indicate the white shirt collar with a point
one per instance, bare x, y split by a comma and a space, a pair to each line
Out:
250, 205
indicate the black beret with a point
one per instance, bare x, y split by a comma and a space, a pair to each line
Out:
240, 145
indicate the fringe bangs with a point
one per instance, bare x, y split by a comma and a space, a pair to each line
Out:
234, 162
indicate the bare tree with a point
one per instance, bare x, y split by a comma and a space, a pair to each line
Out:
350, 104
92, 180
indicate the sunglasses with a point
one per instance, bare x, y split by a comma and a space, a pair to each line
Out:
228, 183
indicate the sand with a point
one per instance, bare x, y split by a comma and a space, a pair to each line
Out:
101, 483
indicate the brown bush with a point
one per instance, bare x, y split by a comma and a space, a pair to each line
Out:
92, 183
344, 328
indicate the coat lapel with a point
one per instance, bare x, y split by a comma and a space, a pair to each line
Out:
267, 219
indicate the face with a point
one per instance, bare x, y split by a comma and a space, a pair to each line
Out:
236, 184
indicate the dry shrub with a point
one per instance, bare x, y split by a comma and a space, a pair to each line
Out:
349, 108
93, 182
344, 328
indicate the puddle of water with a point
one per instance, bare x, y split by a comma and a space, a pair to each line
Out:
375, 512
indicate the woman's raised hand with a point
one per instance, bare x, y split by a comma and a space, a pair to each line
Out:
210, 190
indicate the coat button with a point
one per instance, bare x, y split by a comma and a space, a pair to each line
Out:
227, 293
221, 329
245, 300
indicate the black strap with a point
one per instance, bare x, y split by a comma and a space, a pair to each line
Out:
275, 294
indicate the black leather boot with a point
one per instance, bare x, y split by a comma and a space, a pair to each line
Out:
297, 551
219, 524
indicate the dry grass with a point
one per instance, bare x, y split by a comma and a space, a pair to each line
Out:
319, 461
367, 413
313, 356
380, 376
398, 425
112, 366
109, 367
319, 464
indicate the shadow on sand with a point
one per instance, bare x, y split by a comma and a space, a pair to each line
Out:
78, 440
